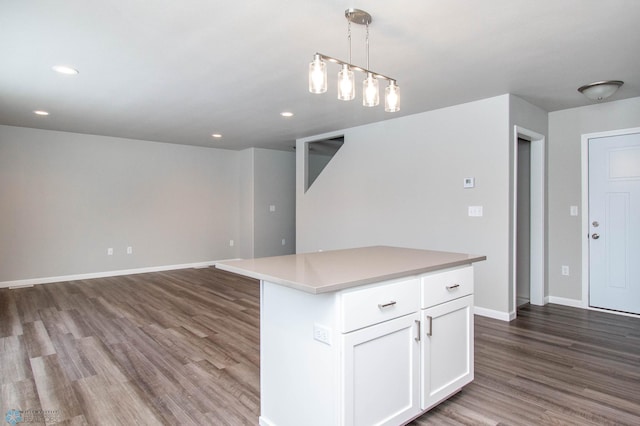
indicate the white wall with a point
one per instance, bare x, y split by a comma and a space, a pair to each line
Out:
65, 198
400, 182
566, 128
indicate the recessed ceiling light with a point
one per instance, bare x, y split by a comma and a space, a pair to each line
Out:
216, 135
286, 114
40, 112
64, 69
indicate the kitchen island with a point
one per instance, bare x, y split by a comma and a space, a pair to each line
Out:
364, 336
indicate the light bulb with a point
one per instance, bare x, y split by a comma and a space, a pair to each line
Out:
371, 94
392, 97
317, 75
346, 84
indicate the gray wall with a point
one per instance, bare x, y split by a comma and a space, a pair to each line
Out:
275, 183
400, 182
246, 190
566, 128
65, 198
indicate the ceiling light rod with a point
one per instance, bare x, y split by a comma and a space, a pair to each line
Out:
351, 66
346, 81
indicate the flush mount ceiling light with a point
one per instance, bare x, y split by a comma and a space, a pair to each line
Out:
286, 114
41, 112
600, 90
346, 80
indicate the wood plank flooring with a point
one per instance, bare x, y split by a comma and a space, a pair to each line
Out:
182, 348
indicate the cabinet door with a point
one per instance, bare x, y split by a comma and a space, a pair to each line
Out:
447, 350
380, 366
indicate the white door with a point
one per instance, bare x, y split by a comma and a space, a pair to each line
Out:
380, 368
614, 222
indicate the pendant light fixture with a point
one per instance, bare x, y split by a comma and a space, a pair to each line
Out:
346, 80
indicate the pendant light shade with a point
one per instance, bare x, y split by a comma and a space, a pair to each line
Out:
346, 84
392, 97
370, 92
317, 75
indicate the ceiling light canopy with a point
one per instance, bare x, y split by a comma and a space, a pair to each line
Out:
346, 80
600, 90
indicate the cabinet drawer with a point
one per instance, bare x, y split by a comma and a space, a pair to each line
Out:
371, 305
440, 287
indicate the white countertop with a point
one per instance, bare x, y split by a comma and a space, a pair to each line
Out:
326, 271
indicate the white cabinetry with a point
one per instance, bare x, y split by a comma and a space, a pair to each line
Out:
447, 343
364, 355
381, 367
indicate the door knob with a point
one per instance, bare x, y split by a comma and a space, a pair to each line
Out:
595, 236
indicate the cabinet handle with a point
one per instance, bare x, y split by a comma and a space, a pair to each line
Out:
418, 336
430, 331
451, 287
386, 305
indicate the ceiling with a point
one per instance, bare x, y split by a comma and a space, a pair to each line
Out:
178, 71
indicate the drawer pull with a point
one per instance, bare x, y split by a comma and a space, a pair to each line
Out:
386, 305
430, 329
454, 286
417, 338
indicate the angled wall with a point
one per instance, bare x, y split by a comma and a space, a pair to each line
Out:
400, 182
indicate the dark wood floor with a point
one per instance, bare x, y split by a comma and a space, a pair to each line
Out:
182, 347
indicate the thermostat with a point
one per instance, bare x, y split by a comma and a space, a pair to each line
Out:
469, 182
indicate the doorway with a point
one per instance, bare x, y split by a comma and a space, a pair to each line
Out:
523, 223
613, 221
531, 253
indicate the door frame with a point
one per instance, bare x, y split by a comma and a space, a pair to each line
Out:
584, 148
537, 206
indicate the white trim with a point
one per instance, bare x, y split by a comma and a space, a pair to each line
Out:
537, 238
584, 151
490, 313
574, 303
47, 280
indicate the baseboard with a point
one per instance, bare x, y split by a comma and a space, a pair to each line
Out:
574, 303
48, 280
490, 313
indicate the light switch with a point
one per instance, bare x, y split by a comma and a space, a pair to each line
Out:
573, 210
272, 208
475, 211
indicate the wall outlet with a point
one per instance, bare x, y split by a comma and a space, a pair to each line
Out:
272, 208
565, 270
573, 210
284, 242
322, 334
109, 251
231, 243
129, 250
